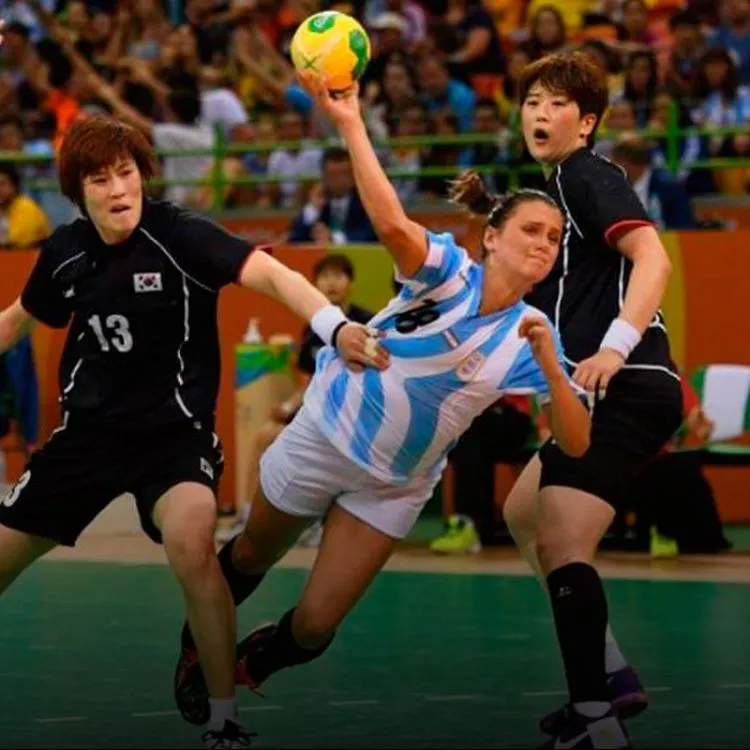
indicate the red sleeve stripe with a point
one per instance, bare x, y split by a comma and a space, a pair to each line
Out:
631, 223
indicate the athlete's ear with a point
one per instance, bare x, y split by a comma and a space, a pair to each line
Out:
588, 123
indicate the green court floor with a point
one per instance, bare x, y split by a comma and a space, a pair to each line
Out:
426, 660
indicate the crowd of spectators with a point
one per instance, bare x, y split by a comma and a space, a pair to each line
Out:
190, 72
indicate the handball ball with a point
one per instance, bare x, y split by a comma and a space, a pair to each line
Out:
332, 45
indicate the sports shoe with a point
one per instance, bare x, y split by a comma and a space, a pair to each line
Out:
190, 691
459, 538
628, 696
584, 733
662, 546
249, 672
231, 736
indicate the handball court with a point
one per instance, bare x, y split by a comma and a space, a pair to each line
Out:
441, 653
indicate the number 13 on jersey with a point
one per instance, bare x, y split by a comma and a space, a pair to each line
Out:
115, 332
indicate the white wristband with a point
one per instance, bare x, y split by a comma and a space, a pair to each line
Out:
622, 337
326, 320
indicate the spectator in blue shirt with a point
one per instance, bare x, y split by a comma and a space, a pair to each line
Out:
441, 92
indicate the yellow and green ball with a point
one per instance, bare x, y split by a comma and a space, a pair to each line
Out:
332, 45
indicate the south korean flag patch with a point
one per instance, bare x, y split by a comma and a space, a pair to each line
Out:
147, 282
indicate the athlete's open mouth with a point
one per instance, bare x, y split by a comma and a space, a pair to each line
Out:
119, 209
540, 135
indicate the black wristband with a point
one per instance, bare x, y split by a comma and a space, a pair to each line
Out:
336, 330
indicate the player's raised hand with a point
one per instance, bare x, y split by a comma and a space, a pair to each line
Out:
537, 332
341, 106
358, 345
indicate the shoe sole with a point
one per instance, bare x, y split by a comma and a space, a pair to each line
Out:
631, 705
626, 706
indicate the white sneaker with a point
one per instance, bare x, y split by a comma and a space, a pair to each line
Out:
230, 737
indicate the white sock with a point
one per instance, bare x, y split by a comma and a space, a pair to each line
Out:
592, 709
222, 709
613, 658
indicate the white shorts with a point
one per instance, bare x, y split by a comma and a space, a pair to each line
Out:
302, 474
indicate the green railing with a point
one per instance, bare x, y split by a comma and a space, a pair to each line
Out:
217, 179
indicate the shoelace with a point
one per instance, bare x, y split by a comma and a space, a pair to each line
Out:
228, 738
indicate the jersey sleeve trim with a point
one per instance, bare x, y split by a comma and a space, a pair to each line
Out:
629, 223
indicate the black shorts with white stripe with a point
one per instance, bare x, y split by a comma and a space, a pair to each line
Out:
640, 412
80, 471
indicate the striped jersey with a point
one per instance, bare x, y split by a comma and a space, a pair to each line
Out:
448, 365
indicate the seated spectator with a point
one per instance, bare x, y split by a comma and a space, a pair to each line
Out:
385, 105
413, 122
641, 86
388, 37
619, 119
476, 54
334, 276
547, 34
734, 34
291, 161
666, 201
415, 20
487, 121
507, 94
334, 213
441, 92
22, 223
723, 102
687, 48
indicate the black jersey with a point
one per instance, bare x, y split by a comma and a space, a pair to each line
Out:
585, 290
143, 347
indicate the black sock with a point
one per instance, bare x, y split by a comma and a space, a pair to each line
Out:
281, 650
580, 610
241, 586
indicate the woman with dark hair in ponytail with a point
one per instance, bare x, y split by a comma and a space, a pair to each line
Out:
367, 448
603, 295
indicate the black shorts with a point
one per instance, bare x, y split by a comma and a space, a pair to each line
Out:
80, 470
629, 427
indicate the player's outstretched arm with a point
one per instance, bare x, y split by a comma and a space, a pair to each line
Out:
15, 323
404, 239
268, 276
568, 418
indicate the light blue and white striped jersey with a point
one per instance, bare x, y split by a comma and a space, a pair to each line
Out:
448, 364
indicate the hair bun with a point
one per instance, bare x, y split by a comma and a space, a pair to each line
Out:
469, 190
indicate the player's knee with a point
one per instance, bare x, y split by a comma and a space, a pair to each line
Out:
553, 550
188, 534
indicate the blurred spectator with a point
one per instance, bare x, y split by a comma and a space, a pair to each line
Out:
548, 33
440, 92
291, 161
641, 84
686, 53
608, 60
413, 122
619, 118
22, 223
507, 95
734, 34
385, 105
666, 201
388, 37
633, 32
476, 55
334, 213
487, 121
415, 19
572, 11
722, 101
